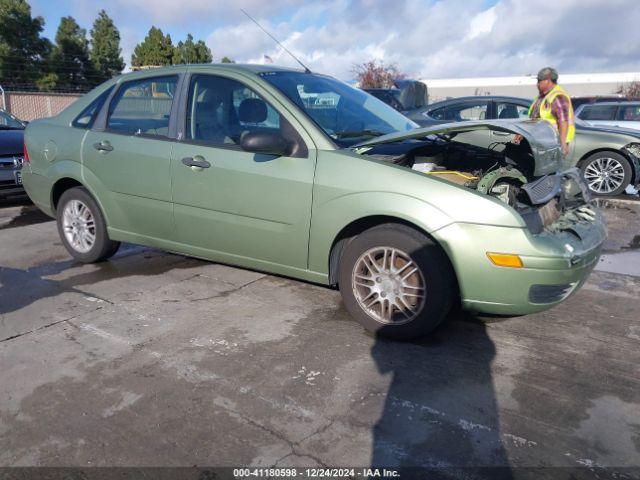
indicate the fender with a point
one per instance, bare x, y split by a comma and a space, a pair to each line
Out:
330, 218
62, 169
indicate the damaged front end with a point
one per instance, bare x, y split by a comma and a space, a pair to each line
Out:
519, 163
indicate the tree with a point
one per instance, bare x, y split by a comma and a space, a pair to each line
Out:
190, 52
377, 75
631, 90
105, 48
226, 60
70, 56
22, 49
154, 51
47, 82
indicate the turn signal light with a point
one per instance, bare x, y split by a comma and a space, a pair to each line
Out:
505, 260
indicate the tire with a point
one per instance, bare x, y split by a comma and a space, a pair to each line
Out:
433, 271
88, 242
606, 173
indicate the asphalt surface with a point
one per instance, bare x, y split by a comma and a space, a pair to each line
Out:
158, 359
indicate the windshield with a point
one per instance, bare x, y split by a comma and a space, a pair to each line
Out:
9, 122
346, 114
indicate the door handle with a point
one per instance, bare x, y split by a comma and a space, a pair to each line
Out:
103, 146
196, 162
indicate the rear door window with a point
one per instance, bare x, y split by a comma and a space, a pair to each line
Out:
630, 113
143, 107
598, 112
89, 114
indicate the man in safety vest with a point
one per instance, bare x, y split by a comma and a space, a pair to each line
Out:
554, 106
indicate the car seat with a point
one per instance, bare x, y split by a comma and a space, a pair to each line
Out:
252, 110
510, 111
208, 122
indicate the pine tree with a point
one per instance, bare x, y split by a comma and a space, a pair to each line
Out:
70, 56
155, 50
190, 52
203, 53
22, 49
226, 60
105, 48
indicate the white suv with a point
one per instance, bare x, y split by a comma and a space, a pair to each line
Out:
613, 114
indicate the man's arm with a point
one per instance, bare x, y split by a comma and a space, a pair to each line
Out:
563, 129
560, 110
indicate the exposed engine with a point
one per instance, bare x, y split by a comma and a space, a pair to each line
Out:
504, 171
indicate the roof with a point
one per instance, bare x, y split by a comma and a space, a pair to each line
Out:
498, 98
609, 104
243, 67
565, 79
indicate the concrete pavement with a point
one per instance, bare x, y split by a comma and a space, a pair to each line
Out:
157, 359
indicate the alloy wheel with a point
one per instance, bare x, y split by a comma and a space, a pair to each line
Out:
78, 226
388, 285
604, 175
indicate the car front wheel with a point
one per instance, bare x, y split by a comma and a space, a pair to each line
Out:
396, 281
606, 173
82, 227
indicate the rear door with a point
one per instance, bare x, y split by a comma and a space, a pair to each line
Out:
245, 205
128, 157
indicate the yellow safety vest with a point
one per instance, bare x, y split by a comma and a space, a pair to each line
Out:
547, 115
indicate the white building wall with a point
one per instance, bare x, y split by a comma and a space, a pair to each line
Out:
525, 86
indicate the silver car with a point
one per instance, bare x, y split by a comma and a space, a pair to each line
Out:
611, 114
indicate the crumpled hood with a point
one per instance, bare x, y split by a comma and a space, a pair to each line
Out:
541, 135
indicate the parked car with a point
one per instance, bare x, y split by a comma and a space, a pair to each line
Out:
611, 114
299, 174
587, 100
471, 108
609, 158
406, 96
11, 157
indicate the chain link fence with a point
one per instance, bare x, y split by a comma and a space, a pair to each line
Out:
32, 105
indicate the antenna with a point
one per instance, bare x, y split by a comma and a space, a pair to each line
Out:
306, 70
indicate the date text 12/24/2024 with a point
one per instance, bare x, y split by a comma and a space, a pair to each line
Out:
315, 473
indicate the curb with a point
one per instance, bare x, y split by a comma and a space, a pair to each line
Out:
623, 201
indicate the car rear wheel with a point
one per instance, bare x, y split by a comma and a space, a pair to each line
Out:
82, 227
606, 173
396, 282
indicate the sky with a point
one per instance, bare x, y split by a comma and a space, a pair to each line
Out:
424, 38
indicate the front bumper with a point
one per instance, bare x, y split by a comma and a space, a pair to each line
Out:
9, 181
555, 265
633, 155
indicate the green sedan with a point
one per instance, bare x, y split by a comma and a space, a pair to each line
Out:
301, 175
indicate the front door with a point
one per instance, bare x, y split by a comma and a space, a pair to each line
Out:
470, 111
129, 160
228, 201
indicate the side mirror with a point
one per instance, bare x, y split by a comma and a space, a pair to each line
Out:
265, 142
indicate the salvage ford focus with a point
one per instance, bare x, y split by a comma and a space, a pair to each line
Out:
298, 174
